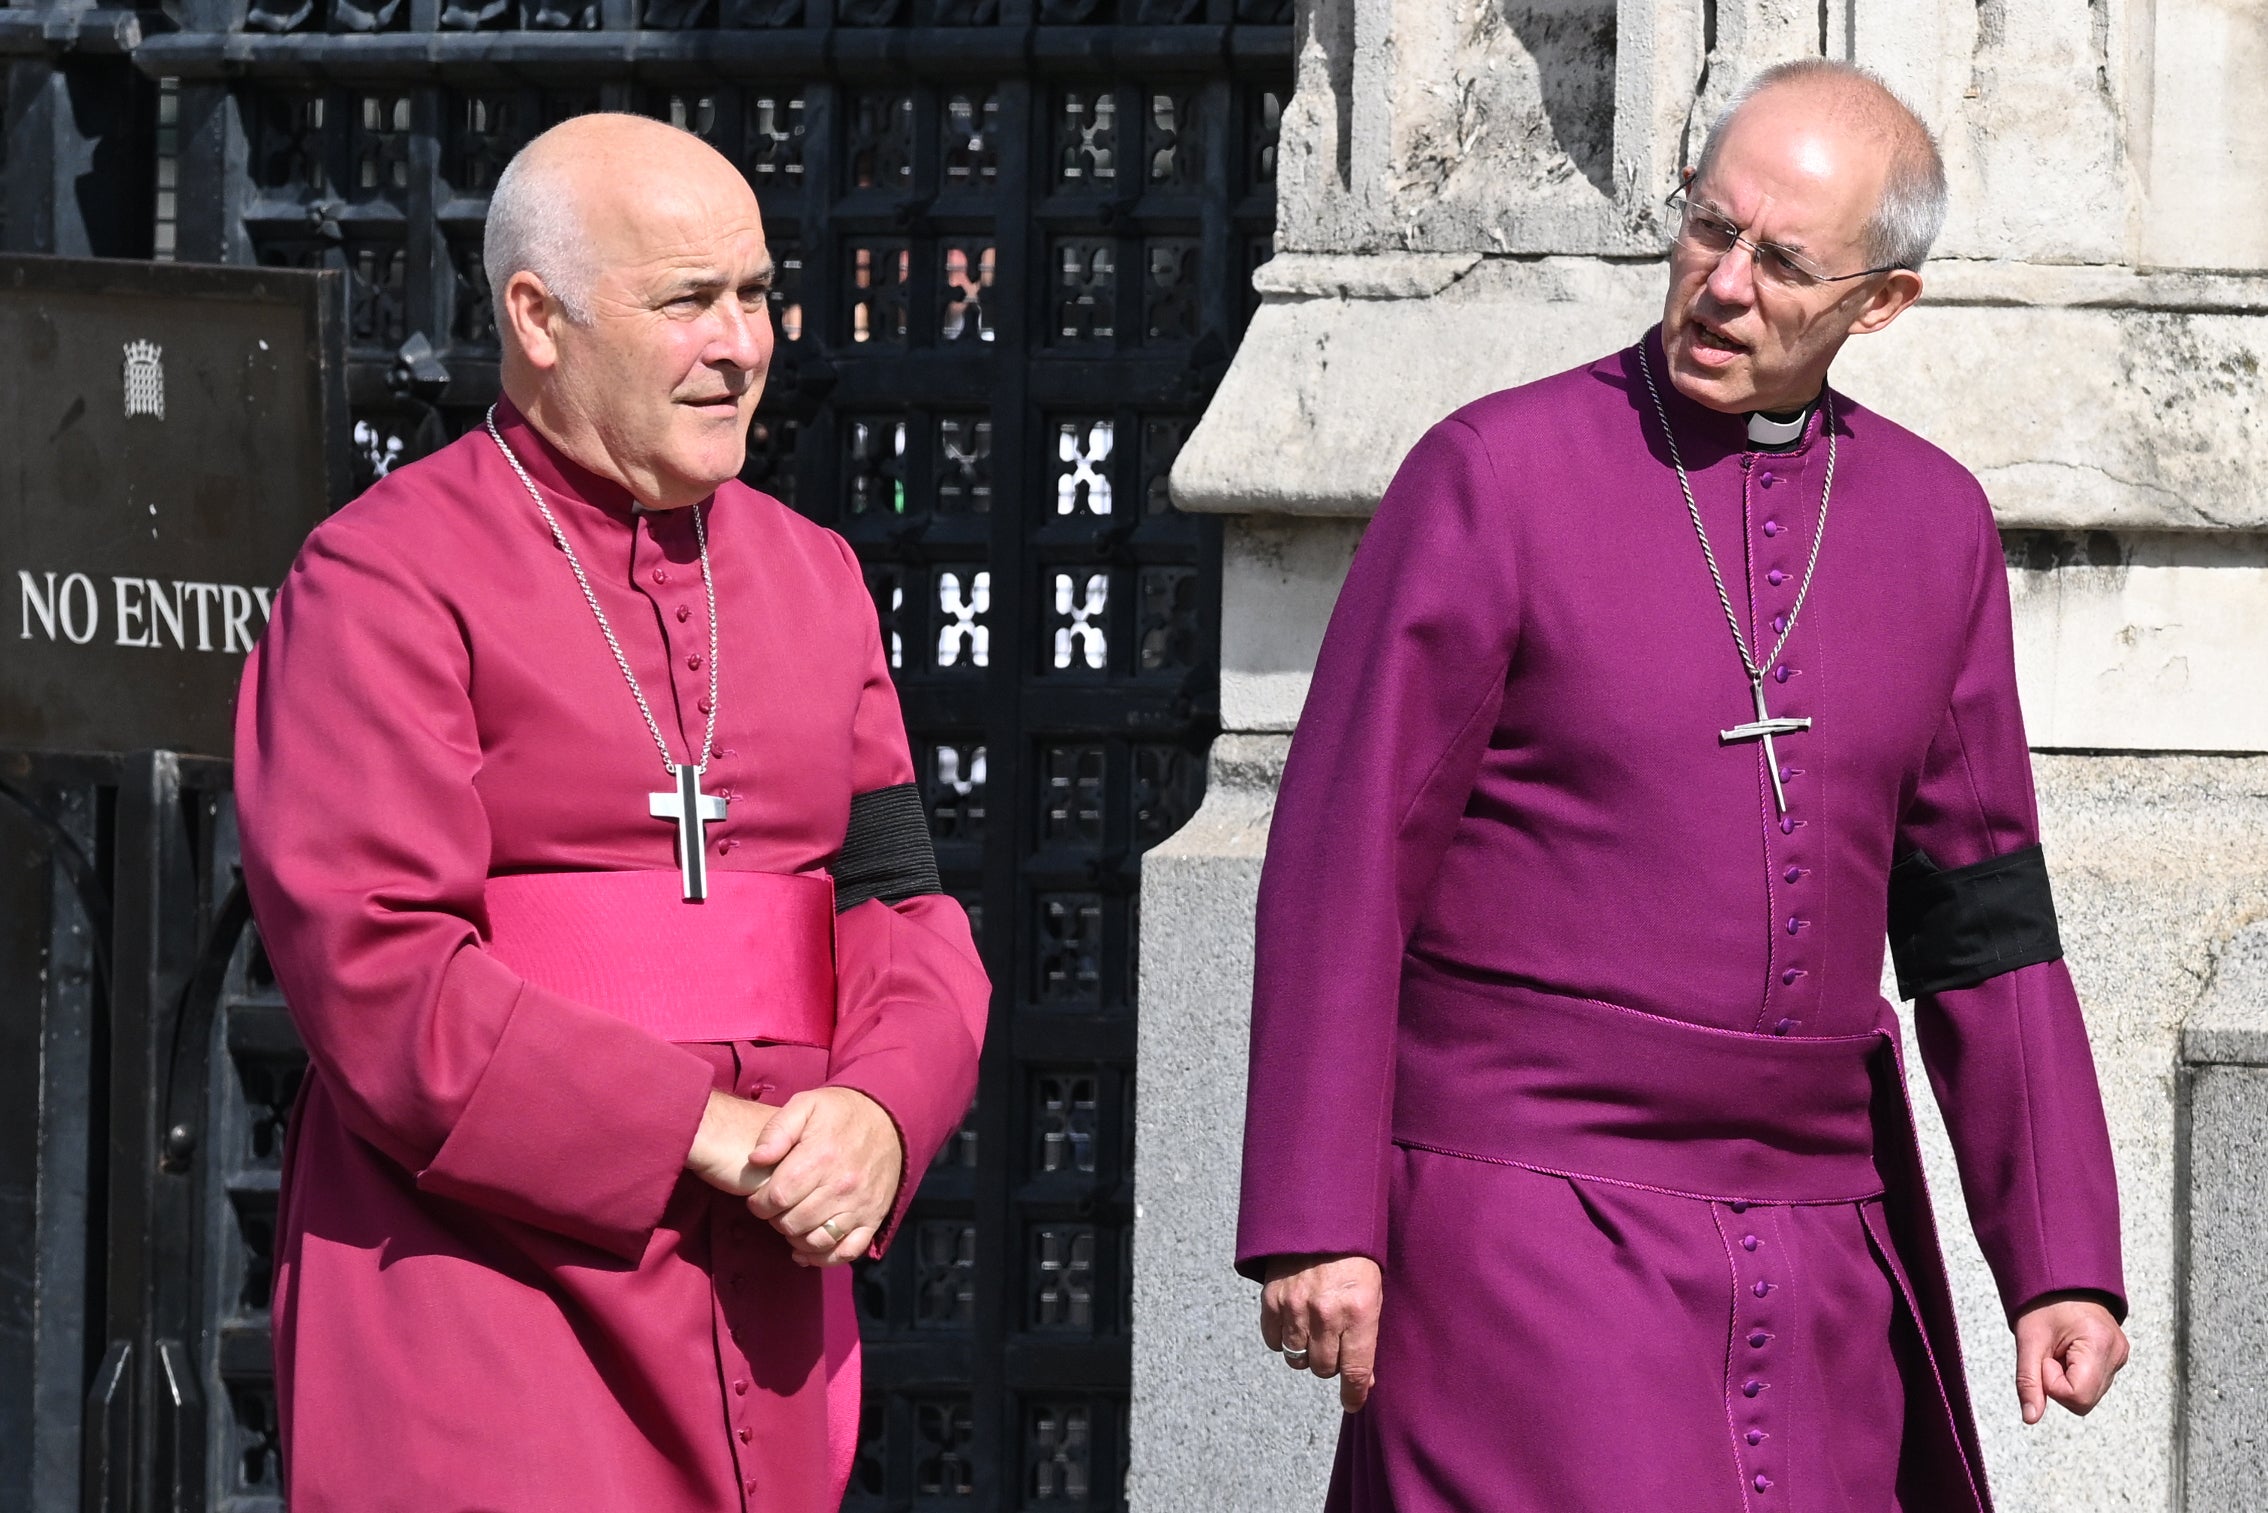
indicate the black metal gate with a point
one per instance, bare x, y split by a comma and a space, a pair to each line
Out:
1016, 238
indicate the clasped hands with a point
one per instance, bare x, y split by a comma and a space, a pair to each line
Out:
828, 1154
1321, 1312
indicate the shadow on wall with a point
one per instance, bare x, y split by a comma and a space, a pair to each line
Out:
1572, 44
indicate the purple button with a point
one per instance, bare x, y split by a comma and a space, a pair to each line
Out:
1788, 822
1749, 1242
1794, 874
1775, 577
1781, 1028
1771, 527
1738, 1206
1757, 1341
1788, 978
1751, 1387
1767, 479
1761, 1288
1780, 624
1763, 1482
1794, 925
1782, 673
1757, 1436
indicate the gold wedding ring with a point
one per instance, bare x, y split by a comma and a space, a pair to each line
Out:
841, 1234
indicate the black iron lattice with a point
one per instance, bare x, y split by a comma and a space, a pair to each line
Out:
1015, 240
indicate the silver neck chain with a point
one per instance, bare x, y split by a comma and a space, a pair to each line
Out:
1685, 486
708, 583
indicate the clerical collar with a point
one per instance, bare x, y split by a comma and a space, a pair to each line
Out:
1770, 432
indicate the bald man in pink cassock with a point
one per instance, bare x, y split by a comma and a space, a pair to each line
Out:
581, 831
1661, 692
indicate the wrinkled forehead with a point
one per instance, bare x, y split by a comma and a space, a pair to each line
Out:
637, 214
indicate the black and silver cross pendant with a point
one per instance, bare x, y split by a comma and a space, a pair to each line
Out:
1763, 728
692, 810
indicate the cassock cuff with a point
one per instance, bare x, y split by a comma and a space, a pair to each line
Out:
580, 1124
2111, 1297
923, 1105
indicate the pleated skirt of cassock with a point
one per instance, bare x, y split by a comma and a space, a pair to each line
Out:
1564, 1345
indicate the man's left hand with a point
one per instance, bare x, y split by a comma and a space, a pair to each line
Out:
2067, 1349
834, 1155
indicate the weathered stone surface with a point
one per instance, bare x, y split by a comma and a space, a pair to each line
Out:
1280, 579
2207, 150
2225, 1436
2150, 642
2158, 862
2076, 411
1219, 1423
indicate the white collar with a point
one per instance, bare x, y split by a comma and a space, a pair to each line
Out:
1764, 431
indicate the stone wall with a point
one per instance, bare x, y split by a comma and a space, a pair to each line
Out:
1470, 200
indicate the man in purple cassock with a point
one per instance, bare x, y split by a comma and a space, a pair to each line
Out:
1659, 694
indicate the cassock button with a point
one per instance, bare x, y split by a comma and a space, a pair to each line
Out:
1783, 1027
693, 660
1782, 673
1780, 624
750, 1486
1749, 1242
1738, 1206
684, 613
747, 1434
1788, 823
1757, 1436
740, 1388
1757, 1341
1763, 1482
727, 846
1767, 479
1794, 925
1788, 978
1748, 1388
704, 704
1794, 874
660, 576
1775, 577
1771, 527
1761, 1288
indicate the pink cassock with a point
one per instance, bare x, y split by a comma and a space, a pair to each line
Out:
1564, 1023
495, 1286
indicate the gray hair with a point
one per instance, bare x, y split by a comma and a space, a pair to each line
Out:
1912, 211
535, 227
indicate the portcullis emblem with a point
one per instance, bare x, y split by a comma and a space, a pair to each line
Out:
145, 380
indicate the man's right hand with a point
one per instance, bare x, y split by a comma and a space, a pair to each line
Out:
1322, 1313
730, 1128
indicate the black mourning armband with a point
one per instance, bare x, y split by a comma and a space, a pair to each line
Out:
1959, 927
886, 851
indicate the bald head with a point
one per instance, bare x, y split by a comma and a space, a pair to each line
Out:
571, 193
1823, 95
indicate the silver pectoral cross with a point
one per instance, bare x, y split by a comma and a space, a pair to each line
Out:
692, 810
1763, 728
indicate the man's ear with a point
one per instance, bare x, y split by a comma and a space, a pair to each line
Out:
1890, 299
530, 316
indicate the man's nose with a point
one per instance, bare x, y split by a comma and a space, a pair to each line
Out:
1733, 280
744, 335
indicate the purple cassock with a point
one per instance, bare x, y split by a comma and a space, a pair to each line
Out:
1564, 1023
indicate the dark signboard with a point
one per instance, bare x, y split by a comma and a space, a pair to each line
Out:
168, 436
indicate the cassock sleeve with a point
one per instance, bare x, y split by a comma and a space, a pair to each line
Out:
1407, 687
366, 853
2007, 1053
911, 993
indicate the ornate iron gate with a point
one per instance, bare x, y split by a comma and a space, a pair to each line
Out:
1016, 239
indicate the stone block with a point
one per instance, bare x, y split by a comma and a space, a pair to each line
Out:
1218, 1422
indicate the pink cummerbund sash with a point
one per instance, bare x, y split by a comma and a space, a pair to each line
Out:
1575, 1087
756, 961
